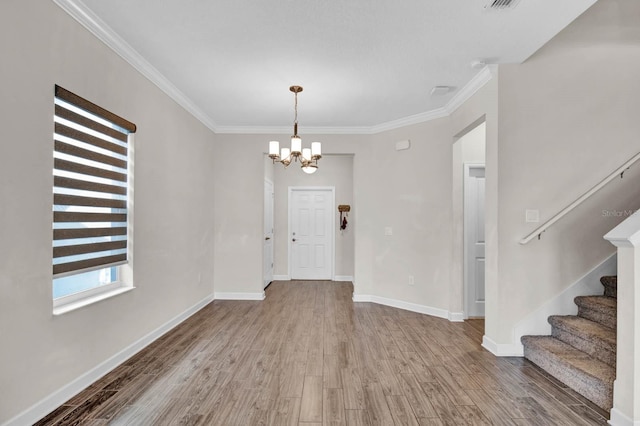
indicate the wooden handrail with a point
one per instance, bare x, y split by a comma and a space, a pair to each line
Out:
619, 171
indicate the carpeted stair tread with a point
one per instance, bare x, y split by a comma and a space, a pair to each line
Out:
586, 375
588, 336
600, 309
597, 302
610, 284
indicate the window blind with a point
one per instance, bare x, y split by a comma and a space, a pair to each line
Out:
90, 185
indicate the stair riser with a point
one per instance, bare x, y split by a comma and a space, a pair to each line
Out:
610, 284
594, 390
611, 292
579, 353
605, 317
585, 345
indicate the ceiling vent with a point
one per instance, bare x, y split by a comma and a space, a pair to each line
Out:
501, 4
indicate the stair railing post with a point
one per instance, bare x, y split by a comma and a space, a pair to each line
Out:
626, 387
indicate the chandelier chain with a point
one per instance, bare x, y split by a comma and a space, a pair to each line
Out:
295, 121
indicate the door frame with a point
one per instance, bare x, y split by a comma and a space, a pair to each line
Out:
465, 236
264, 254
330, 219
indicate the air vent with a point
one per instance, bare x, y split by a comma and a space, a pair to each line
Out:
501, 4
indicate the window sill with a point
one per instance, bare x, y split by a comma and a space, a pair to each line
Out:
77, 304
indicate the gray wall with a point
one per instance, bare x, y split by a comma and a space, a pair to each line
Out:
173, 203
568, 117
333, 170
555, 126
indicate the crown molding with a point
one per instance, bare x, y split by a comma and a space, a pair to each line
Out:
273, 130
410, 120
476, 83
96, 26
356, 130
85, 16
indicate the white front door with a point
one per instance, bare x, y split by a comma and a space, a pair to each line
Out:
311, 224
268, 234
474, 239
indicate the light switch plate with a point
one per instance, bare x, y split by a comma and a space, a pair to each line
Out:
532, 216
388, 231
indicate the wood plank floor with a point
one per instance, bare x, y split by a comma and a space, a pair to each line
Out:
307, 355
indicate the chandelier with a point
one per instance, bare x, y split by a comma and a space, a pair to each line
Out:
308, 157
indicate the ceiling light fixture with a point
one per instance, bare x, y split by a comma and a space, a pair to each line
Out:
308, 156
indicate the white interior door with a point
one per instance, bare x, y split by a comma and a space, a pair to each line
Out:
311, 233
474, 244
268, 234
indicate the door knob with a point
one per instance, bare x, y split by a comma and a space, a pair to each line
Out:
293, 239
267, 238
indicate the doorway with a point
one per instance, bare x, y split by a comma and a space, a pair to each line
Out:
474, 239
311, 233
468, 288
267, 275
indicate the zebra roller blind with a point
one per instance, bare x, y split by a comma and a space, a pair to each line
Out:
90, 185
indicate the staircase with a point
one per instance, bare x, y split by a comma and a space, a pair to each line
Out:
581, 351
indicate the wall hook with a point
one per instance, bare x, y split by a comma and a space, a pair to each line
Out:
344, 208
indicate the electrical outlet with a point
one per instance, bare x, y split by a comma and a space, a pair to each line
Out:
411, 280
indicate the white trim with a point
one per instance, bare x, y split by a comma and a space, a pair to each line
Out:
89, 293
59, 397
476, 83
337, 278
96, 26
468, 244
108, 36
536, 322
268, 233
88, 298
627, 233
343, 278
281, 130
408, 121
407, 306
619, 419
502, 349
413, 307
358, 298
238, 296
456, 316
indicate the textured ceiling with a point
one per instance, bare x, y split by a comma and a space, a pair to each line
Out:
362, 63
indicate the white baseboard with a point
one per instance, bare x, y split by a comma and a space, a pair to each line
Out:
336, 278
536, 322
238, 296
413, 307
619, 419
343, 278
456, 316
59, 397
361, 298
502, 349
